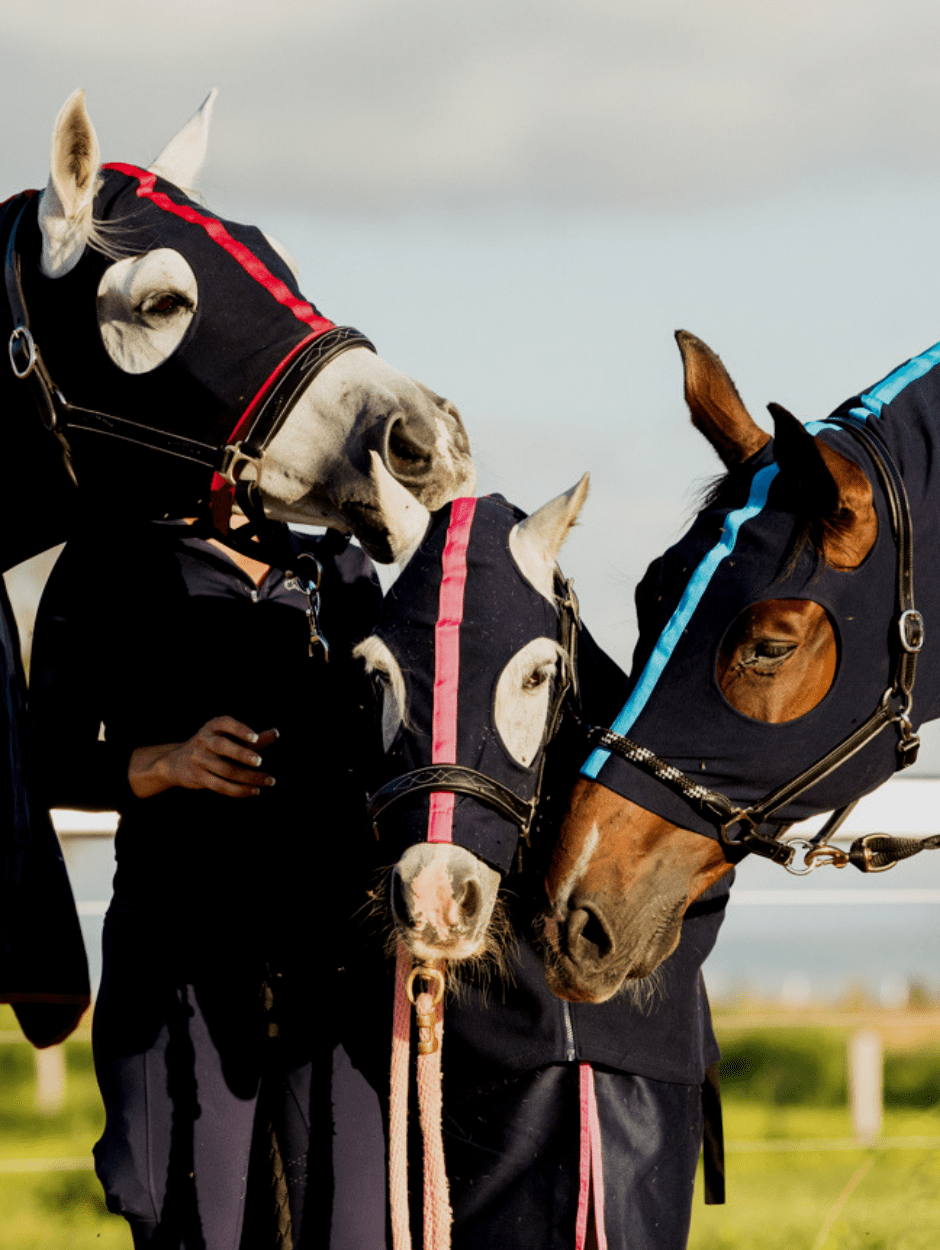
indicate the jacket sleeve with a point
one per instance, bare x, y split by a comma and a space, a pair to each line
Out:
77, 630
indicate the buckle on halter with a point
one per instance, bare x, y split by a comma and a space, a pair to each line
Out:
570, 601
911, 630
22, 349
235, 461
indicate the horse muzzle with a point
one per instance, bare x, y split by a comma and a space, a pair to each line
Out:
442, 899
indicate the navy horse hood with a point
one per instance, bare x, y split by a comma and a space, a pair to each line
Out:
250, 316
460, 608
739, 552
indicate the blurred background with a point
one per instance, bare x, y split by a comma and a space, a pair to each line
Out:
519, 202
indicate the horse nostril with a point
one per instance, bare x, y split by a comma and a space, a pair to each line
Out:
401, 908
588, 934
409, 449
469, 900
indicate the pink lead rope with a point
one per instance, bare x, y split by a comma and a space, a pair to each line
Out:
437, 1210
430, 1012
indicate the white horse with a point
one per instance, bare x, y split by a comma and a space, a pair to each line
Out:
497, 680
152, 337
361, 442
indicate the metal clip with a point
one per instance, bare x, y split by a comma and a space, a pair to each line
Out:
309, 587
826, 854
808, 865
22, 340
862, 851
426, 1020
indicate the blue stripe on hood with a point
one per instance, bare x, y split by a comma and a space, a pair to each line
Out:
870, 405
891, 387
695, 589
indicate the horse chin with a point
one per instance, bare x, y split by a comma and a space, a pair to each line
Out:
428, 947
591, 954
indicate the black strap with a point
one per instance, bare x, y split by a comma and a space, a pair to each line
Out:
294, 380
713, 1138
457, 779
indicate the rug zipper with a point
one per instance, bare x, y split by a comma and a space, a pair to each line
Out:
571, 1051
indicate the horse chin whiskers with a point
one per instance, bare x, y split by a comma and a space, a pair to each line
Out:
643, 992
491, 965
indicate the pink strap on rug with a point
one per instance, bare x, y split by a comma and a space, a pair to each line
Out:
591, 1169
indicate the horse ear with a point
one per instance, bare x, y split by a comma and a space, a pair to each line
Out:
715, 405
182, 158
65, 208
536, 541
831, 489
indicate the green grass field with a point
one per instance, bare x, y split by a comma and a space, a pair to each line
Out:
806, 1199
786, 1089
51, 1210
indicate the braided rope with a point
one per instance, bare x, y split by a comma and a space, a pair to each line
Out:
279, 1192
437, 1212
284, 1233
398, 1105
644, 758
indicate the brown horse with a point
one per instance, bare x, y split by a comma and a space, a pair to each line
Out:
767, 636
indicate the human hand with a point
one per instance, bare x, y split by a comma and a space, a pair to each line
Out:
223, 756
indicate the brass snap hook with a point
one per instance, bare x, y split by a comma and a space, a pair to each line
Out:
426, 1020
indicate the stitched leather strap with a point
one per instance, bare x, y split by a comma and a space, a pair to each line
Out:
457, 779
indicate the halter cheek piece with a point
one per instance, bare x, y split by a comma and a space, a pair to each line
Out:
228, 460
874, 852
459, 779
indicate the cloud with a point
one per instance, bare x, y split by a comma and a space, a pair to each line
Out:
362, 105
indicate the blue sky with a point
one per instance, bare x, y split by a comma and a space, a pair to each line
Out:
521, 201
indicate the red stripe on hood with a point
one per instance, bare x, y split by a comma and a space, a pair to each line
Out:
238, 251
447, 662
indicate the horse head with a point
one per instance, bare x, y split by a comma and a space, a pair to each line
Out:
777, 642
474, 653
163, 325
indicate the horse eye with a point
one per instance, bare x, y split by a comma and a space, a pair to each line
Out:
767, 649
537, 678
162, 303
765, 655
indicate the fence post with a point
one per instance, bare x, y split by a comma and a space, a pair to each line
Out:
866, 1084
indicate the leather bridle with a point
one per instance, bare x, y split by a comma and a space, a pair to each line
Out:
459, 779
756, 831
262, 420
